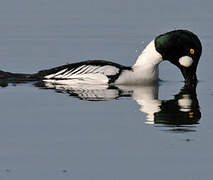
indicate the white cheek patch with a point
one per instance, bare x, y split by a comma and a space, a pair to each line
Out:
185, 61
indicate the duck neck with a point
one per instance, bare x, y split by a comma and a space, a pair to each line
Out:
149, 57
145, 69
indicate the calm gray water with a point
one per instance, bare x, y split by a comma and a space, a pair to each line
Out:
49, 135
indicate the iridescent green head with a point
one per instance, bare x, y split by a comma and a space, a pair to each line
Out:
183, 49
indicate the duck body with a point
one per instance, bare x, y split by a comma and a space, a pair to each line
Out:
85, 72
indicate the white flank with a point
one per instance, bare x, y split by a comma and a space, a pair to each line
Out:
85, 74
108, 70
185, 61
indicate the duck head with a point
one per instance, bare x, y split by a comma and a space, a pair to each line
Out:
183, 49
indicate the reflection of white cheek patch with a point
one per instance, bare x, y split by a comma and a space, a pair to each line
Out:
185, 103
185, 61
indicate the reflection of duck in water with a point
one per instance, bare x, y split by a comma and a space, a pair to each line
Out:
181, 47
183, 109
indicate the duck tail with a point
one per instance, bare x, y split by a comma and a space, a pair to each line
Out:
4, 75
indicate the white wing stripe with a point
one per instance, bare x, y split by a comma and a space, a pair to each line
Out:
53, 75
67, 75
87, 69
60, 72
83, 70
91, 69
67, 72
86, 73
77, 69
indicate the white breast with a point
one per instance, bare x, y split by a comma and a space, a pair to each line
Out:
139, 75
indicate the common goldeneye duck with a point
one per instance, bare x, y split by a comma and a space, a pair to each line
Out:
181, 47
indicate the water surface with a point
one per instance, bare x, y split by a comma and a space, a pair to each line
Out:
49, 135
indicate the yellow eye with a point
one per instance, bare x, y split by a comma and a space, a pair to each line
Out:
192, 51
191, 114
